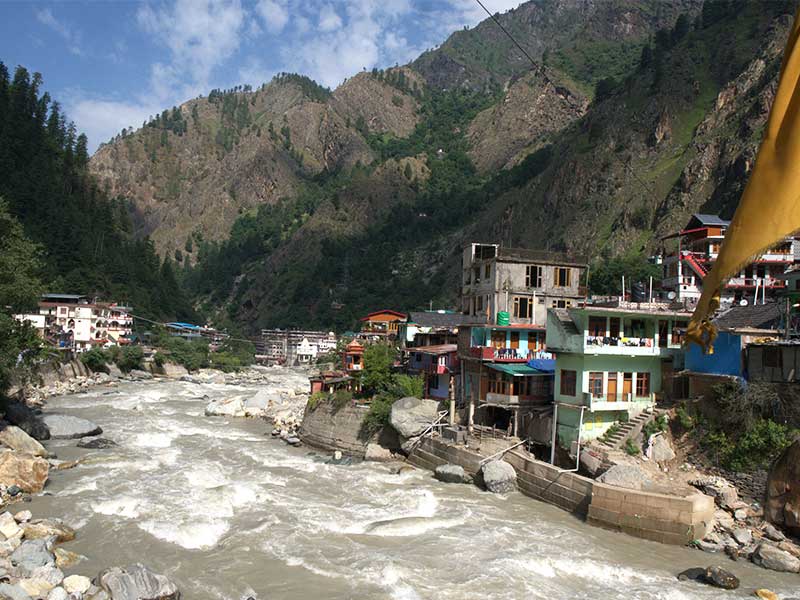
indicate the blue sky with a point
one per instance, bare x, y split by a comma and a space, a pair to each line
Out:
112, 64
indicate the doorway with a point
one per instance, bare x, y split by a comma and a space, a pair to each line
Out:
611, 388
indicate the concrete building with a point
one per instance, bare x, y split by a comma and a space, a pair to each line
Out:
696, 250
381, 325
295, 346
439, 367
610, 360
522, 283
74, 322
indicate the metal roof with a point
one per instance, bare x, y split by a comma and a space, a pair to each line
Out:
705, 219
515, 369
752, 316
443, 319
436, 350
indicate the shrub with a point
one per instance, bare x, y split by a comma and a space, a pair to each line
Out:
631, 447
225, 361
341, 398
95, 360
758, 446
192, 355
129, 358
610, 432
741, 406
315, 399
159, 359
685, 420
408, 385
380, 409
656, 425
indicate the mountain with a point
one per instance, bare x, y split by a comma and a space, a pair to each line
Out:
292, 204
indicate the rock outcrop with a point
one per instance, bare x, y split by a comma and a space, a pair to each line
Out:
625, 476
411, 416
782, 504
65, 427
137, 582
15, 438
27, 472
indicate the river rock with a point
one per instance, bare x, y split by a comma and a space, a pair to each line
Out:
742, 536
174, 371
719, 488
625, 476
77, 584
228, 407
719, 577
58, 593
16, 439
67, 427
411, 416
773, 533
137, 374
52, 575
293, 440
97, 443
773, 558
66, 558
499, 477
661, 450
189, 379
137, 582
765, 594
30, 555
23, 516
257, 405
13, 592
377, 453
8, 526
27, 419
28, 473
44, 528
452, 474
692, 574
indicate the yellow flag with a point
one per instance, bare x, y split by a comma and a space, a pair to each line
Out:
769, 209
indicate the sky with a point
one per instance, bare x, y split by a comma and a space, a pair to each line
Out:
113, 64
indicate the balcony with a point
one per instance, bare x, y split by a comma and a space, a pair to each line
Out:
750, 282
628, 346
621, 401
505, 354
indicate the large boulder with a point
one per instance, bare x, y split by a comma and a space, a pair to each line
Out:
174, 370
45, 528
629, 477
97, 444
452, 474
137, 374
15, 438
661, 450
27, 419
258, 404
770, 557
227, 407
411, 416
31, 555
377, 453
499, 477
27, 472
782, 502
719, 577
67, 427
137, 582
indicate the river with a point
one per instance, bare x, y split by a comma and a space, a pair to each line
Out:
228, 512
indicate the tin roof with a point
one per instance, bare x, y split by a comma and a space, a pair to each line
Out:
435, 350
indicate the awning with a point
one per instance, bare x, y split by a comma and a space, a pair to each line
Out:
515, 370
547, 365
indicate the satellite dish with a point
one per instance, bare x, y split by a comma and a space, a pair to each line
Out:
743, 302
671, 295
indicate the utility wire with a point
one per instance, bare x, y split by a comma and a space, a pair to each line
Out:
540, 69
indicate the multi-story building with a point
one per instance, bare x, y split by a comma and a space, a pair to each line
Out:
698, 246
381, 325
120, 325
75, 320
295, 346
522, 283
610, 360
438, 365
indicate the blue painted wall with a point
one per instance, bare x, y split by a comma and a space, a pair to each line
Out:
726, 359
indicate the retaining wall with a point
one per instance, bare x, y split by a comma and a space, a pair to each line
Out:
658, 517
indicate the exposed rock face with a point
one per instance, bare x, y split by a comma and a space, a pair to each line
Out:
27, 419
27, 472
65, 427
452, 474
137, 582
15, 438
625, 476
770, 557
782, 505
499, 477
412, 416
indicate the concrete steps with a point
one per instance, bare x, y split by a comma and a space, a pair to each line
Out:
618, 438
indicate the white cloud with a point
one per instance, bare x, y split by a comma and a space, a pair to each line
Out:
101, 119
468, 12
255, 73
71, 36
329, 19
274, 13
200, 35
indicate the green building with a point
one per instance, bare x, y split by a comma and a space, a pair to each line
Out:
610, 361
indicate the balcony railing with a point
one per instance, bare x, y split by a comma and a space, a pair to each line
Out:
501, 399
619, 402
598, 344
750, 282
506, 354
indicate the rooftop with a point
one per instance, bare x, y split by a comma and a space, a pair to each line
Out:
443, 319
435, 350
540, 256
641, 308
753, 316
699, 219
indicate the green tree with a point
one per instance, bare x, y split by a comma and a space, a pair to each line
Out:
20, 265
377, 375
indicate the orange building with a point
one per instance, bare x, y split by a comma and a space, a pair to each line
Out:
382, 324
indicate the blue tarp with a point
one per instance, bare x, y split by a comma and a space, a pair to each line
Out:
179, 325
548, 365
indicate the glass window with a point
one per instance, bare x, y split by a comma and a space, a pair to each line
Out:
596, 383
562, 277
523, 307
568, 380
642, 384
597, 326
533, 276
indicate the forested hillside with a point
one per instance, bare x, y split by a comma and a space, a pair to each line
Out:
295, 205
85, 238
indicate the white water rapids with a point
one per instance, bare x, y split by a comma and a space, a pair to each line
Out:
228, 512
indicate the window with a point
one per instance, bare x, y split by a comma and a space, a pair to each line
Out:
642, 384
772, 357
613, 327
597, 326
523, 307
596, 383
515, 339
487, 270
561, 303
533, 276
499, 339
478, 304
477, 273
568, 380
562, 277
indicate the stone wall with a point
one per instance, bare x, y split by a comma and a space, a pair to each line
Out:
49, 373
332, 428
658, 517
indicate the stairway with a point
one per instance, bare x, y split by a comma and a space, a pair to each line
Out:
616, 440
695, 264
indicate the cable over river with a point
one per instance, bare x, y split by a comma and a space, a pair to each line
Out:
227, 512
